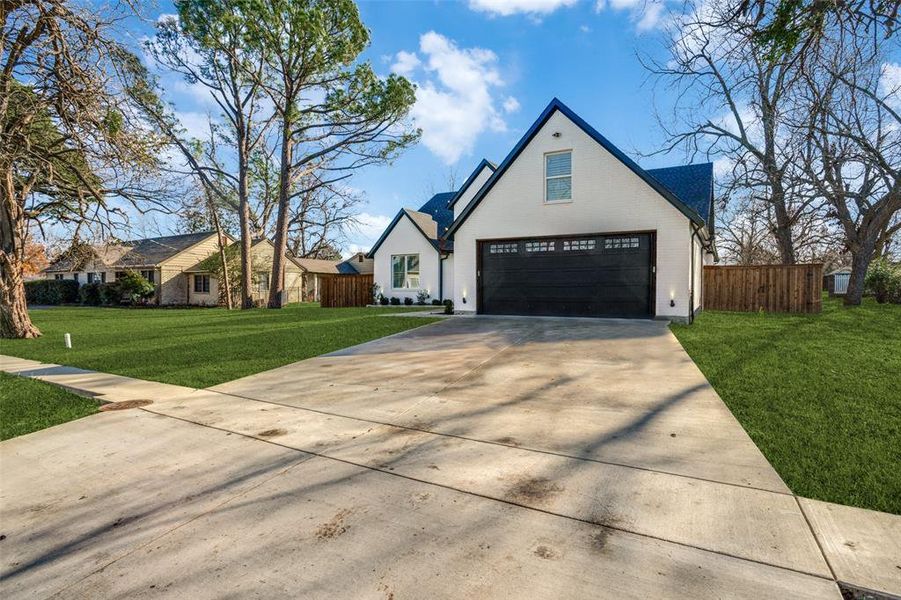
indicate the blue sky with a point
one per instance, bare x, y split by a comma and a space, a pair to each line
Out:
485, 69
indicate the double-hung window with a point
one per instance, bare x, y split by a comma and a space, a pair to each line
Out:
148, 275
58, 276
405, 271
558, 177
201, 284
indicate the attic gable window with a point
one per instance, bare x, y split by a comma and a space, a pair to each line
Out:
558, 180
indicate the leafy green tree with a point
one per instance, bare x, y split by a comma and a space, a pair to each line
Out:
71, 138
333, 114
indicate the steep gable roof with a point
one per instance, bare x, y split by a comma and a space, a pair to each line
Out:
555, 106
472, 176
692, 184
432, 220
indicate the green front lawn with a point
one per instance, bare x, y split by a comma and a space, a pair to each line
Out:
28, 405
200, 347
820, 395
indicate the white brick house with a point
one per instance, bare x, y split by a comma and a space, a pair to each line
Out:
565, 225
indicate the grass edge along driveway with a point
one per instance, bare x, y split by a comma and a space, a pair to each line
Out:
818, 394
200, 347
28, 405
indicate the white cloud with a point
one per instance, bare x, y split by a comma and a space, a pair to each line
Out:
646, 14
511, 104
454, 97
369, 227
890, 83
584, 28
505, 8
405, 63
362, 235
196, 124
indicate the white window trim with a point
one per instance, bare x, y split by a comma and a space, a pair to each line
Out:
544, 181
391, 266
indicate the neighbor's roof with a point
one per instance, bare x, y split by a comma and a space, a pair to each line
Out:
318, 265
136, 253
557, 106
358, 263
692, 184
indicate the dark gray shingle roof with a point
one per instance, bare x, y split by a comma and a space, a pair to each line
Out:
692, 184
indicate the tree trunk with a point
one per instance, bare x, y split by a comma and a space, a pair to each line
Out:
14, 319
783, 231
244, 215
221, 242
860, 262
277, 279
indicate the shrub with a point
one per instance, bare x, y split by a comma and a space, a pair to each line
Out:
132, 288
383, 300
109, 294
421, 297
408, 301
51, 291
395, 301
89, 294
883, 280
436, 302
448, 307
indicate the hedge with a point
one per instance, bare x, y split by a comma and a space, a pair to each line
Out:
51, 291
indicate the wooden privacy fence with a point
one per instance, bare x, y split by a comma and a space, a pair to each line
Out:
337, 291
773, 288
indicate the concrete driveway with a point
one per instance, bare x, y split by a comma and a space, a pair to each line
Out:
476, 457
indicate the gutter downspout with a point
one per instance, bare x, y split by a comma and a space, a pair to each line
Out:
691, 287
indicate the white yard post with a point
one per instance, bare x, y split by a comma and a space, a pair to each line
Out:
68, 339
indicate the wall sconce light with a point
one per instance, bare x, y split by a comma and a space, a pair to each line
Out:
672, 302
556, 134
672, 298
464, 299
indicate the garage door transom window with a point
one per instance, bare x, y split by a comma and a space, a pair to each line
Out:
621, 243
503, 248
541, 246
405, 271
570, 245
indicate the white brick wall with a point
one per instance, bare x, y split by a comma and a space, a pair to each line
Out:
471, 191
607, 197
405, 238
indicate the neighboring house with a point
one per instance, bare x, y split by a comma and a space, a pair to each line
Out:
565, 225
357, 264
204, 285
174, 265
314, 269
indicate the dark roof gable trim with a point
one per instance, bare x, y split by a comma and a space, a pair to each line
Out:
472, 176
401, 213
546, 114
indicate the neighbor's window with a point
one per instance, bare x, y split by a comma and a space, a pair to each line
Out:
148, 275
405, 271
262, 283
102, 277
202, 284
75, 276
558, 176
90, 277
58, 276
120, 275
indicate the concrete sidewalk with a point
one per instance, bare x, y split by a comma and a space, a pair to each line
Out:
384, 467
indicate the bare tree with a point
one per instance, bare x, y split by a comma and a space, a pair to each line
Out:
732, 98
849, 125
320, 219
73, 148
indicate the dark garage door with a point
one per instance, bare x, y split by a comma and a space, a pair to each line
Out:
586, 276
